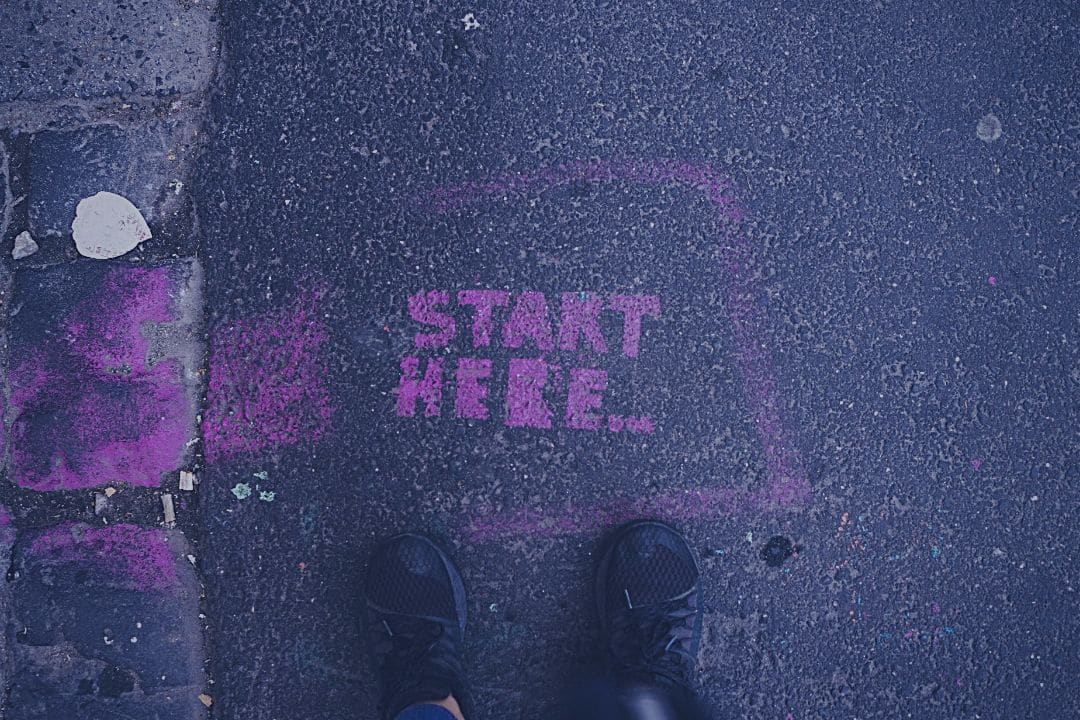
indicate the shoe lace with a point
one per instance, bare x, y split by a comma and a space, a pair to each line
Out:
653, 642
418, 656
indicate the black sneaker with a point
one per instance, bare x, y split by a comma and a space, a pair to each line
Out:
415, 622
648, 592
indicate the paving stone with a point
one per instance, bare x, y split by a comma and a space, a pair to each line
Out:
105, 625
93, 48
147, 164
103, 379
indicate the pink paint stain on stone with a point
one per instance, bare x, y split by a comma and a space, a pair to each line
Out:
413, 386
585, 395
641, 424
107, 329
422, 309
268, 383
580, 314
633, 308
787, 483
529, 320
469, 401
483, 302
992, 280
91, 408
525, 403
527, 327
124, 556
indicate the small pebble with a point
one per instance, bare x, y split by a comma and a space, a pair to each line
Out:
24, 246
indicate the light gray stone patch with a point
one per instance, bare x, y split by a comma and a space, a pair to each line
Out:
94, 48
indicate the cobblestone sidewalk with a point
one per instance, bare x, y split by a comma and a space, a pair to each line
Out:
102, 361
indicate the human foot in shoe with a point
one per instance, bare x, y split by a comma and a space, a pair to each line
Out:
648, 593
415, 621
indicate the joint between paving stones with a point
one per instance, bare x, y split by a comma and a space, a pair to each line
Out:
29, 117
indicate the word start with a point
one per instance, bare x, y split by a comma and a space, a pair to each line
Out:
531, 383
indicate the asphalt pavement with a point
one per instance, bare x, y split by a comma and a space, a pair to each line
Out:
798, 277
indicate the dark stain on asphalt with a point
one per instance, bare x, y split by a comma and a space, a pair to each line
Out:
777, 550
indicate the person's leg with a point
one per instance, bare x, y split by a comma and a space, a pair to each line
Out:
427, 711
431, 711
648, 594
447, 709
415, 619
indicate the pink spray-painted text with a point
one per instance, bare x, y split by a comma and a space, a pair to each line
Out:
536, 390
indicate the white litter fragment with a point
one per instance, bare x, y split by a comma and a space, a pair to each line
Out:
101, 501
187, 480
167, 507
107, 225
989, 128
24, 246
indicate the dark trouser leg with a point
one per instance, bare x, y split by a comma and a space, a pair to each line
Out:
425, 712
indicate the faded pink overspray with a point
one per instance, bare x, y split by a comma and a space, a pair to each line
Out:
787, 484
569, 519
123, 556
90, 407
268, 385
